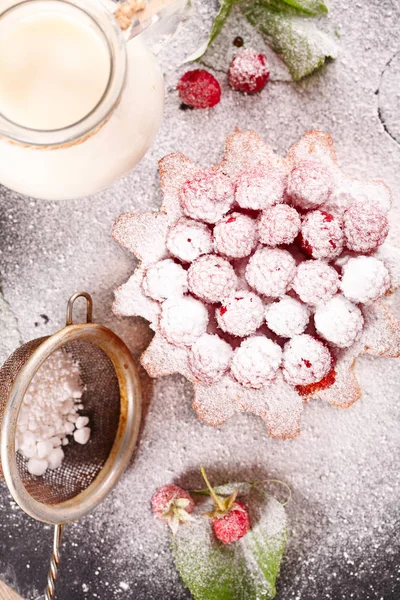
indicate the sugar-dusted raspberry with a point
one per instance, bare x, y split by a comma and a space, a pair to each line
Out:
248, 72
199, 89
364, 279
270, 271
339, 321
287, 317
365, 227
235, 235
209, 358
321, 235
278, 225
256, 361
212, 278
305, 360
315, 281
165, 279
241, 314
173, 505
310, 184
207, 196
183, 320
188, 239
261, 187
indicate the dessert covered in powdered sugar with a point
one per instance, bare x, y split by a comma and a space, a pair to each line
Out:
263, 278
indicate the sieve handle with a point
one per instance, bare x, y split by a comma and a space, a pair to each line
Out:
54, 563
89, 307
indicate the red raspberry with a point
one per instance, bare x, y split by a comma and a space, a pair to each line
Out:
230, 517
235, 235
310, 184
248, 71
199, 89
241, 314
207, 196
261, 187
212, 278
339, 321
315, 281
233, 525
321, 235
365, 227
305, 360
173, 505
278, 225
270, 271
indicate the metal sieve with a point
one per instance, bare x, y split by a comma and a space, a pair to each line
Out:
112, 401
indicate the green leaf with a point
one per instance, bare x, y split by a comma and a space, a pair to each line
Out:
246, 569
219, 22
302, 46
309, 7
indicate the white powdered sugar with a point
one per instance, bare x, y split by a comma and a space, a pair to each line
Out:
305, 360
287, 317
209, 358
207, 196
256, 361
310, 184
235, 236
270, 271
50, 413
278, 225
261, 188
188, 239
165, 279
322, 235
315, 281
339, 321
364, 279
183, 320
240, 314
212, 278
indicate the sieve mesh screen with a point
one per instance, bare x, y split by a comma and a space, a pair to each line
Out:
101, 400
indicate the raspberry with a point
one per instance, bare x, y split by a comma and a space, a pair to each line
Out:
270, 271
365, 279
365, 227
165, 279
248, 72
187, 240
310, 184
212, 278
287, 317
199, 89
261, 187
256, 361
305, 360
208, 196
313, 388
315, 281
183, 320
240, 314
173, 505
209, 358
339, 321
233, 525
235, 235
321, 235
229, 516
278, 225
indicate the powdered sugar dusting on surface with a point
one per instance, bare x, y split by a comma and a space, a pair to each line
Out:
342, 540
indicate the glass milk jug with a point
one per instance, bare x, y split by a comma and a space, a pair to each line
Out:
81, 93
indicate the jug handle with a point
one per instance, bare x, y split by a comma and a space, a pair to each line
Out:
157, 22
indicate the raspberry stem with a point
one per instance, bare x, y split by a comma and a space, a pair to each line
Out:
218, 501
